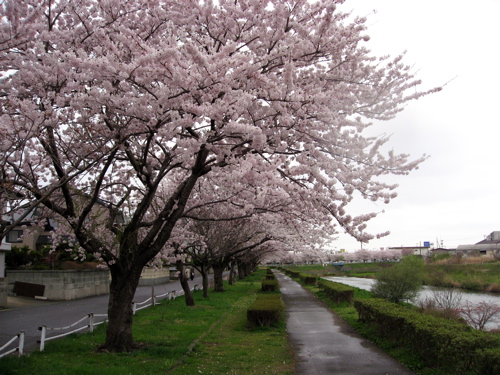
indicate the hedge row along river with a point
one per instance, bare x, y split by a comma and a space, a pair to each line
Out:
427, 292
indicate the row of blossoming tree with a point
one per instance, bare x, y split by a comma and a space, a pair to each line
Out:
186, 116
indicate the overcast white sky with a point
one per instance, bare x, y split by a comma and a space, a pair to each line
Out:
454, 197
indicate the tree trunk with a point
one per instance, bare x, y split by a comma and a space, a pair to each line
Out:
232, 273
184, 283
241, 270
121, 293
244, 269
219, 277
205, 282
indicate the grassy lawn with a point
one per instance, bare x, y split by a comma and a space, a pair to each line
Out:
210, 338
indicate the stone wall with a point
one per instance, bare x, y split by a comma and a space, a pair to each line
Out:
64, 285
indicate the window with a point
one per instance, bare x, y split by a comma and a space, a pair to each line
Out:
15, 236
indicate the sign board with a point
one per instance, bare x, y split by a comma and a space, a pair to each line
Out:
427, 244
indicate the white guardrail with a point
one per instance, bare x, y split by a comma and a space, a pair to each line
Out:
19, 348
136, 306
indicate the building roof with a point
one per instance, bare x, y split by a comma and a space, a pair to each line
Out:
492, 238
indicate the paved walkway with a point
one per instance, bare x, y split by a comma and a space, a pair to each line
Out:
324, 343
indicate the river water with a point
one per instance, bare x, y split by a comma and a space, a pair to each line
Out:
427, 292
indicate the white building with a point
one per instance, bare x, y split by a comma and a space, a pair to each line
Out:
423, 251
4, 247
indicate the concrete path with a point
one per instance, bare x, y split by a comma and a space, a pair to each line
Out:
324, 343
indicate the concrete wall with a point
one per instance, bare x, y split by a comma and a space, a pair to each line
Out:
64, 285
74, 284
3, 292
2, 264
151, 276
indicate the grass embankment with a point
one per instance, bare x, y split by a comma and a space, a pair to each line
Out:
470, 276
351, 269
210, 338
475, 276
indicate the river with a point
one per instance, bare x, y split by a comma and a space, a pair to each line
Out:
427, 292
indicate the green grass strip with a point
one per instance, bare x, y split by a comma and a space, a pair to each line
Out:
212, 335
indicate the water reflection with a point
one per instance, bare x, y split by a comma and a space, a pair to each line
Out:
427, 292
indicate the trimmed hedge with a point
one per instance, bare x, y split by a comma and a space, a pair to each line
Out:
488, 361
266, 310
440, 342
337, 292
307, 279
270, 285
292, 274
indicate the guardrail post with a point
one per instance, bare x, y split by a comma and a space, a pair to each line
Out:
91, 322
134, 308
20, 348
42, 337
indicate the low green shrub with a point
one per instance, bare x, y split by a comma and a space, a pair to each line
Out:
307, 279
269, 285
266, 310
270, 277
337, 292
293, 274
488, 361
440, 342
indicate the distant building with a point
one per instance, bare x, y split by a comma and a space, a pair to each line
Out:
423, 251
30, 233
442, 250
490, 246
4, 247
35, 231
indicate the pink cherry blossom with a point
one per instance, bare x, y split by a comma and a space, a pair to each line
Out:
163, 109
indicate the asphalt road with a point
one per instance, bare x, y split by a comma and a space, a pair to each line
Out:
27, 314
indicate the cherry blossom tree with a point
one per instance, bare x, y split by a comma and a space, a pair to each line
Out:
224, 242
363, 255
229, 220
106, 100
217, 236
